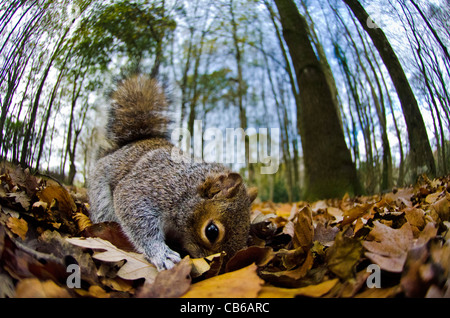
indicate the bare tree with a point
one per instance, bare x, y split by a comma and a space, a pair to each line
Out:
326, 175
420, 150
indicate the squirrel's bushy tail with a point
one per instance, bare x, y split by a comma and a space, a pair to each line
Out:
138, 111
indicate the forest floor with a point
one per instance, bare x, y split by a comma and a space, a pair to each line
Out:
391, 245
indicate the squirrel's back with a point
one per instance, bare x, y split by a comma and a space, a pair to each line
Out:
138, 111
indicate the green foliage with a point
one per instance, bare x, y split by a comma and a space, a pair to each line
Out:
14, 131
213, 86
273, 187
280, 193
131, 29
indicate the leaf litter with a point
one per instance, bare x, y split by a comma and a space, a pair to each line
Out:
304, 249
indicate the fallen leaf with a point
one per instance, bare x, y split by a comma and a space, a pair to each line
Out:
56, 194
440, 254
34, 288
25, 180
309, 291
110, 231
52, 243
442, 207
400, 196
343, 256
379, 292
209, 265
98, 292
253, 254
352, 286
6, 286
290, 277
303, 229
416, 218
388, 247
118, 284
337, 213
427, 233
284, 210
18, 226
291, 258
169, 283
21, 198
30, 263
267, 207
40, 205
263, 226
136, 265
319, 205
199, 267
359, 225
426, 266
94, 291
305, 249
82, 220
289, 229
435, 292
415, 279
431, 198
243, 283
325, 234
355, 212
3, 193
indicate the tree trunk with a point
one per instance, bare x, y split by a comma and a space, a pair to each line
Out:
386, 174
330, 171
322, 57
43, 134
423, 53
32, 120
421, 154
285, 57
397, 129
433, 31
241, 88
184, 79
195, 92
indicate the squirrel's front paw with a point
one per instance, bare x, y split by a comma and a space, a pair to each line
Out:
162, 256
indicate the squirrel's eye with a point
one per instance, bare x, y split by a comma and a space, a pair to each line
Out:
212, 232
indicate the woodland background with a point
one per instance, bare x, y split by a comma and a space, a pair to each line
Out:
362, 107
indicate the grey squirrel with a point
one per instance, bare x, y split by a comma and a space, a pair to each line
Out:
165, 207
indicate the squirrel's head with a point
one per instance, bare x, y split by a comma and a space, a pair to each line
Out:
221, 221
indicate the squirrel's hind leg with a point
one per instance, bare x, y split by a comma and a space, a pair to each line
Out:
100, 195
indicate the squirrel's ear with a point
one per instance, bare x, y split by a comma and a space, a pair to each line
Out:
252, 193
223, 185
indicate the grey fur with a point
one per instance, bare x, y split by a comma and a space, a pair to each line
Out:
157, 200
